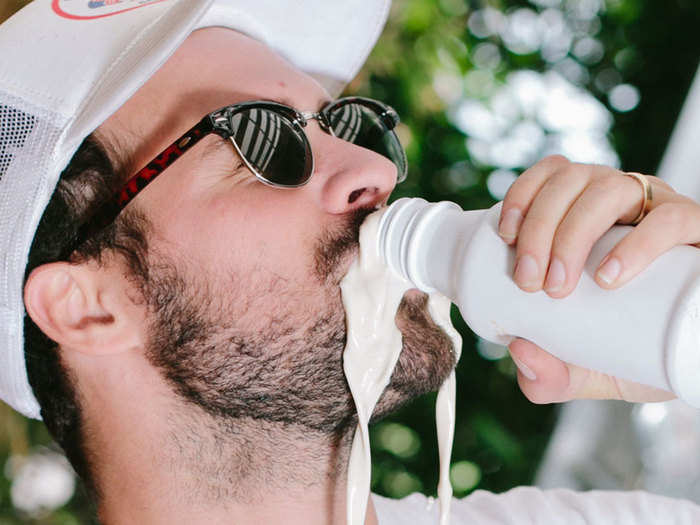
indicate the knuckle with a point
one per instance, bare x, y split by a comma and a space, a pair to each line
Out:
566, 174
533, 228
608, 184
555, 160
669, 215
512, 194
518, 187
656, 181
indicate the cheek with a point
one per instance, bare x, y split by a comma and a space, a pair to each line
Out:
270, 235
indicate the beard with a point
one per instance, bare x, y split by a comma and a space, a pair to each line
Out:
273, 352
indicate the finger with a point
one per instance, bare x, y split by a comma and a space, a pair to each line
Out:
520, 194
539, 226
659, 184
598, 207
591, 384
542, 377
661, 192
667, 225
546, 379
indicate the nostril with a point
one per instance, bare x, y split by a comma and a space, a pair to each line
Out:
355, 195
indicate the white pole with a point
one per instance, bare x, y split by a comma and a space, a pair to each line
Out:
680, 166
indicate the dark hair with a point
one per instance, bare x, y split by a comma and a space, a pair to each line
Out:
88, 180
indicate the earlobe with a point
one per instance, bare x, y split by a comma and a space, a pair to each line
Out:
64, 301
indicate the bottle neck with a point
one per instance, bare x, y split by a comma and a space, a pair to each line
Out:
422, 241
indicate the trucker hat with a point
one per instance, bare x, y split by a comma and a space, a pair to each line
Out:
67, 65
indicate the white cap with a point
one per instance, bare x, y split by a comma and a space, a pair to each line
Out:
69, 64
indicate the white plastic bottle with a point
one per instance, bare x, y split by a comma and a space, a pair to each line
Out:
647, 331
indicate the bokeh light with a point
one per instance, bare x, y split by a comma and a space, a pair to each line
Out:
521, 33
499, 181
399, 483
41, 482
464, 476
400, 440
624, 97
532, 115
652, 413
486, 22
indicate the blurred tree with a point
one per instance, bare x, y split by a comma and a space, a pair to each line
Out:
469, 126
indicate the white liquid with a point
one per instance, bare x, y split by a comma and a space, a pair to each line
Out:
371, 295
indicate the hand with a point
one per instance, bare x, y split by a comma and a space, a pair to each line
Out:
546, 379
554, 213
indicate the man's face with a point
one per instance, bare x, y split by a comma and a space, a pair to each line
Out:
245, 317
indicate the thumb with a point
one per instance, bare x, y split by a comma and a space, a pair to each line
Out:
544, 378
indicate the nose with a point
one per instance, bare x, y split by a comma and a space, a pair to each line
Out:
347, 176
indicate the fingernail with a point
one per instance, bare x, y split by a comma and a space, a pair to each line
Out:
510, 224
610, 270
556, 276
524, 369
526, 271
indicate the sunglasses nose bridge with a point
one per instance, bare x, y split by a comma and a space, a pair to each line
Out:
320, 117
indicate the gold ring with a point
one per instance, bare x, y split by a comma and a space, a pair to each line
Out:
647, 196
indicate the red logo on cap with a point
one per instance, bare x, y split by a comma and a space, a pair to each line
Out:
89, 10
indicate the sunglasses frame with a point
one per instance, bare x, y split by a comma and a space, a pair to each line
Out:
220, 123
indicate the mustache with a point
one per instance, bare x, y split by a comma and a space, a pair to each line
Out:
335, 245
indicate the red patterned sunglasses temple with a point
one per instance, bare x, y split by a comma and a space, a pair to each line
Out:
109, 211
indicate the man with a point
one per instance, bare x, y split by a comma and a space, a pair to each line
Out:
184, 342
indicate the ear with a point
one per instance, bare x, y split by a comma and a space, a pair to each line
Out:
78, 307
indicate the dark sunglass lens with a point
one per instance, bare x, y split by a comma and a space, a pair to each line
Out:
362, 126
271, 145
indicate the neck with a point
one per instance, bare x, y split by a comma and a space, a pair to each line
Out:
189, 467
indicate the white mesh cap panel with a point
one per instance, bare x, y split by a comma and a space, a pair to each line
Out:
15, 127
28, 136
59, 79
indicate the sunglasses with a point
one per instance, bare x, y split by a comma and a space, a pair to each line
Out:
269, 137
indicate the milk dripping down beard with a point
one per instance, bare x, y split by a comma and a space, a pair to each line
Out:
253, 351
244, 345
372, 294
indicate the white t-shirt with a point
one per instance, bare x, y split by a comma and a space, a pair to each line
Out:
532, 506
